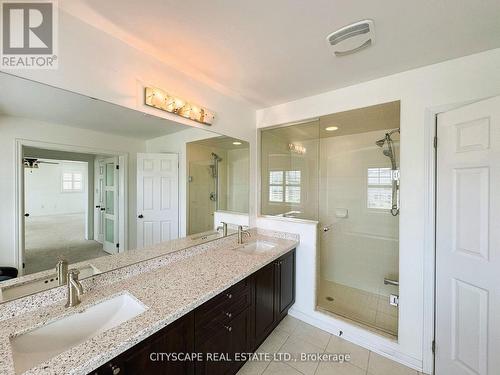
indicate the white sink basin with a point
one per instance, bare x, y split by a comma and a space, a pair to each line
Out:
41, 344
38, 284
257, 247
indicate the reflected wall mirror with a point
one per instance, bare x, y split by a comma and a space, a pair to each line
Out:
99, 186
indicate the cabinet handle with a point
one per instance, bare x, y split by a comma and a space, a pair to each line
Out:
114, 369
229, 295
228, 328
228, 314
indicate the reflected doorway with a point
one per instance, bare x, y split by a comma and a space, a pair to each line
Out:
70, 207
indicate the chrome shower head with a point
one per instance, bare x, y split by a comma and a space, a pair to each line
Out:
216, 157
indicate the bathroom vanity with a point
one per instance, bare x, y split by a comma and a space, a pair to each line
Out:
235, 321
213, 299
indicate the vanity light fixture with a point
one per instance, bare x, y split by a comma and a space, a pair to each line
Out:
298, 149
236, 143
157, 98
332, 128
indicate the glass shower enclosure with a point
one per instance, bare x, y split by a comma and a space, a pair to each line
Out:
342, 170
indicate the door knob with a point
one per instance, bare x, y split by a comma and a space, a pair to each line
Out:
102, 209
327, 228
97, 206
140, 216
26, 215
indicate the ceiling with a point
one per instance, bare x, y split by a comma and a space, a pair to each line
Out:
361, 120
271, 52
24, 98
223, 142
384, 116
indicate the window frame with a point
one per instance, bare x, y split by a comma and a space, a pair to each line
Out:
284, 185
378, 185
72, 180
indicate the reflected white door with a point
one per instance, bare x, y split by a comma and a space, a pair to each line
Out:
110, 216
157, 198
468, 240
99, 201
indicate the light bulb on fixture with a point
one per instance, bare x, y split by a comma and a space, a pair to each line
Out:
331, 128
236, 143
157, 98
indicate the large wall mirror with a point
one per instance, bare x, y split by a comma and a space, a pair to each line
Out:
99, 186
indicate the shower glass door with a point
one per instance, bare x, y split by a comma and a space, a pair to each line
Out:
359, 216
343, 171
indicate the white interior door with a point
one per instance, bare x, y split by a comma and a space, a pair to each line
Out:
110, 213
99, 201
157, 198
468, 240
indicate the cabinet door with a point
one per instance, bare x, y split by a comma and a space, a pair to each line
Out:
265, 300
178, 337
286, 294
240, 338
218, 350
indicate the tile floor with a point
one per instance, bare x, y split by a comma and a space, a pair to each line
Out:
294, 336
367, 308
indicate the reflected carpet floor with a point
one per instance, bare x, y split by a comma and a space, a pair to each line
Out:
50, 237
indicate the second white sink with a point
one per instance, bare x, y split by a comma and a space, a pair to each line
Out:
257, 247
41, 344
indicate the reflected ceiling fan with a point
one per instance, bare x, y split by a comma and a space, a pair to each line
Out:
34, 163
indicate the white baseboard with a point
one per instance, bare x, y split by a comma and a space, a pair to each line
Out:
371, 341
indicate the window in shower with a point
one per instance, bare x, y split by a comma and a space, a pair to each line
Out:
379, 190
284, 186
347, 178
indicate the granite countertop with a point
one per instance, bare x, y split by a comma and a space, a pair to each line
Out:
169, 286
126, 258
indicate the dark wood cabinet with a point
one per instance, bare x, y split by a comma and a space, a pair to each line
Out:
274, 295
286, 284
219, 350
265, 282
222, 328
235, 321
177, 337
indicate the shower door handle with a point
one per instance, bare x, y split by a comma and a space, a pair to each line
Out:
327, 228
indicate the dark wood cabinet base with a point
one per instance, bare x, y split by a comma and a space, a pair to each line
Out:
208, 340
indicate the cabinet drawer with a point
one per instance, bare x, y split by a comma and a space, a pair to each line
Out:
217, 305
220, 317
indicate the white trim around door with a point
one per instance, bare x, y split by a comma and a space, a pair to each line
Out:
19, 190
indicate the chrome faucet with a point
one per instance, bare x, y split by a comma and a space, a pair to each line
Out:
224, 228
242, 232
75, 289
62, 271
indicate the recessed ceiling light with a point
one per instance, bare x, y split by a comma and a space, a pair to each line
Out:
332, 128
236, 143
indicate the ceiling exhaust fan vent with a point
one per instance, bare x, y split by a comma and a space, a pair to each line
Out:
352, 38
